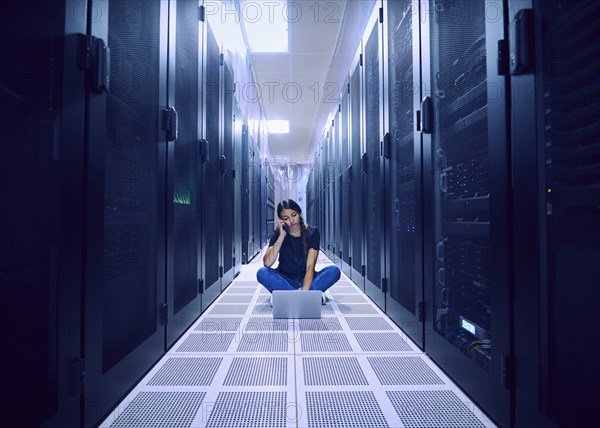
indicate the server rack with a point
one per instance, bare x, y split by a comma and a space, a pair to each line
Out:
246, 196
373, 250
257, 202
556, 174
239, 216
325, 193
41, 159
403, 182
211, 174
227, 175
271, 219
346, 185
124, 279
337, 187
331, 193
183, 189
466, 244
356, 171
250, 193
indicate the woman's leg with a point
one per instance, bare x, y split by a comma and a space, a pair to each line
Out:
325, 278
273, 280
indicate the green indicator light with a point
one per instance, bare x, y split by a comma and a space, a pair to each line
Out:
549, 190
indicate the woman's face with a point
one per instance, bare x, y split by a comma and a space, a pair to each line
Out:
291, 218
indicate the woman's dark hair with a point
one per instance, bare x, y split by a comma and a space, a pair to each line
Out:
293, 205
289, 204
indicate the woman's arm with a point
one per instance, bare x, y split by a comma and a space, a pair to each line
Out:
311, 261
272, 252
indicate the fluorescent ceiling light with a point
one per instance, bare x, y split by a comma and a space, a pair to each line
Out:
278, 126
266, 25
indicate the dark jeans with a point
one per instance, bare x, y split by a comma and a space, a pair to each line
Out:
274, 280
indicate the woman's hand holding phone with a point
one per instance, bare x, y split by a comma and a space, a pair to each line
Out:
283, 229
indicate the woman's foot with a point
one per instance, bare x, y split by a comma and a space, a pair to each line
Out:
323, 298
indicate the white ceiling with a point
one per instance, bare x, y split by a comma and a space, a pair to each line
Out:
322, 45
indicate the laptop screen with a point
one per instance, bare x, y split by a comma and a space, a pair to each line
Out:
296, 304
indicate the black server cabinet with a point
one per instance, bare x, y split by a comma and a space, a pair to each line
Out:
374, 249
346, 177
246, 194
556, 171
356, 172
325, 190
403, 184
183, 189
324, 195
330, 178
337, 188
125, 189
211, 174
271, 219
466, 230
41, 165
227, 174
238, 214
256, 201
250, 197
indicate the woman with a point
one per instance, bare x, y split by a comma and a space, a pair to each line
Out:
297, 246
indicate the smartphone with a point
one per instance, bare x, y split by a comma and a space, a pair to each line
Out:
286, 228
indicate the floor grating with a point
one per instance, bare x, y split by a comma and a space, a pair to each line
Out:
236, 366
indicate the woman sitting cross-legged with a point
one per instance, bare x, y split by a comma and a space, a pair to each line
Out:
297, 246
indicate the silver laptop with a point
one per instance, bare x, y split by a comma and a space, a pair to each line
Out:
296, 304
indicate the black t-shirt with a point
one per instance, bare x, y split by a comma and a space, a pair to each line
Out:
292, 258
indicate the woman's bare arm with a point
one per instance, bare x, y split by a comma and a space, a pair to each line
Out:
272, 252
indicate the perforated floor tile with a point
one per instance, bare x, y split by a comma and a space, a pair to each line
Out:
333, 371
206, 342
188, 371
160, 410
245, 283
344, 290
435, 409
262, 309
257, 371
348, 409
368, 323
228, 309
265, 324
403, 371
217, 324
263, 342
323, 324
349, 298
379, 342
356, 309
327, 309
238, 289
324, 342
249, 409
233, 298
